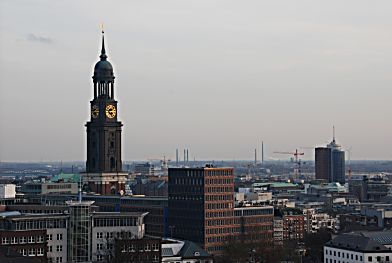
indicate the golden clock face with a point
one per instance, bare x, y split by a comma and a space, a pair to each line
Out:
95, 111
110, 111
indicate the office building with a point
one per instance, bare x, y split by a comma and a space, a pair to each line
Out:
254, 224
330, 163
201, 206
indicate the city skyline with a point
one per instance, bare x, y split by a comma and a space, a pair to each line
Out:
216, 78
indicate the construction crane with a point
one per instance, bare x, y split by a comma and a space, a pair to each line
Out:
164, 162
297, 161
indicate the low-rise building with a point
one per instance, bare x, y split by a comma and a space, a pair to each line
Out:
77, 234
356, 247
182, 251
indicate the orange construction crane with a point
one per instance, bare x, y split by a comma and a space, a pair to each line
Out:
296, 154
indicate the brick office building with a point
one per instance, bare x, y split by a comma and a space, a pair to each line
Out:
201, 206
255, 224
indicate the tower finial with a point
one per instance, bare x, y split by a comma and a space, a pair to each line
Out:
103, 51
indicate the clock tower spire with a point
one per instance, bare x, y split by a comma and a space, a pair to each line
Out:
104, 165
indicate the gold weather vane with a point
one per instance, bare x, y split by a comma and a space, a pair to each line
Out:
101, 27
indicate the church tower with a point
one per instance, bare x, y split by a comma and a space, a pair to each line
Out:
104, 166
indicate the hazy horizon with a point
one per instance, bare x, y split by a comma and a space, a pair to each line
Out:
216, 77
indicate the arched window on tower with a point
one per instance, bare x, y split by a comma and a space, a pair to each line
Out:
112, 163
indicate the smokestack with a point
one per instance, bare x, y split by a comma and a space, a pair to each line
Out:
262, 152
187, 155
184, 156
177, 157
255, 157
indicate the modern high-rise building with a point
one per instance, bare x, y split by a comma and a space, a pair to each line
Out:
330, 163
201, 206
104, 173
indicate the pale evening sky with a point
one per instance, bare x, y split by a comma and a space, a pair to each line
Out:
216, 77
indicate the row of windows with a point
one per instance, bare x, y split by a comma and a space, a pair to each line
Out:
39, 224
111, 235
228, 197
219, 205
186, 197
103, 222
219, 172
58, 237
32, 252
254, 212
219, 222
218, 239
352, 256
219, 181
59, 186
219, 189
22, 240
188, 181
215, 231
139, 248
59, 248
264, 219
258, 228
219, 214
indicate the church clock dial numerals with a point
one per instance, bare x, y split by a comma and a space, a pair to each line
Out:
95, 111
110, 111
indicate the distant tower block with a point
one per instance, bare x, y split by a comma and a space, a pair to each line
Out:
330, 162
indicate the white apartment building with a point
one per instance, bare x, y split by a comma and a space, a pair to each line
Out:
356, 248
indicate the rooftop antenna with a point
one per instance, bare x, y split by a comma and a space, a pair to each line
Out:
333, 132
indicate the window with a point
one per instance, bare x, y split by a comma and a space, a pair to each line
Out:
23, 252
59, 248
99, 235
59, 236
5, 240
99, 258
14, 240
31, 239
378, 259
99, 247
22, 240
40, 239
59, 259
155, 247
370, 259
50, 249
49, 237
31, 252
387, 258
40, 251
356, 257
147, 247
